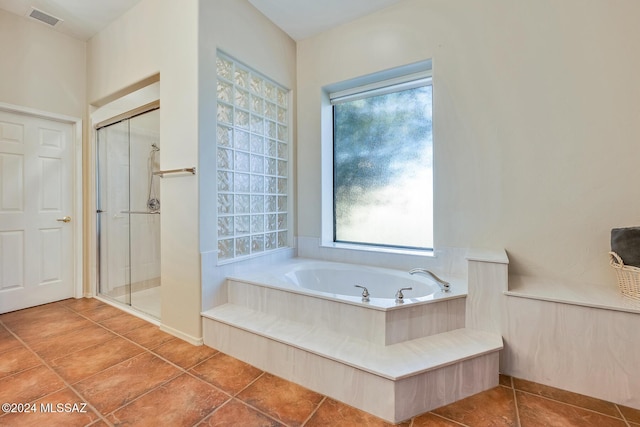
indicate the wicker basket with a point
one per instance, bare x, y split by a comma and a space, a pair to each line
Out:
628, 277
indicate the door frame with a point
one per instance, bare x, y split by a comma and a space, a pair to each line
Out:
76, 190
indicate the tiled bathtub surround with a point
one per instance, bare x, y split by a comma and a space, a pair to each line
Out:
382, 380
448, 261
375, 356
556, 333
156, 379
379, 321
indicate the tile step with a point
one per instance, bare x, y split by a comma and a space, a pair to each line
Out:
393, 362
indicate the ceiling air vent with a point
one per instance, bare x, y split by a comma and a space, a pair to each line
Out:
44, 17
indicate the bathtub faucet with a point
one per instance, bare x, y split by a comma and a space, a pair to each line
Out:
444, 286
400, 295
365, 293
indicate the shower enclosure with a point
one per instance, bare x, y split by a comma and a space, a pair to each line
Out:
128, 212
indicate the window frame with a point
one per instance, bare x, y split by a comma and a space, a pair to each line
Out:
387, 81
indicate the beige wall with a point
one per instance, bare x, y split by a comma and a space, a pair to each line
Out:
160, 36
239, 30
41, 68
178, 40
536, 122
125, 52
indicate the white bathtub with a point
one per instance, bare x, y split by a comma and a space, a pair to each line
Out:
336, 281
303, 320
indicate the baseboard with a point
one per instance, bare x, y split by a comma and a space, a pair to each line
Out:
185, 337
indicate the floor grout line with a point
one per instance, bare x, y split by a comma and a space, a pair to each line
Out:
235, 396
102, 416
150, 351
184, 371
210, 414
324, 398
627, 422
445, 418
515, 404
65, 382
571, 404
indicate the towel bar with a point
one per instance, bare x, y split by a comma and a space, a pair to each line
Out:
183, 170
141, 212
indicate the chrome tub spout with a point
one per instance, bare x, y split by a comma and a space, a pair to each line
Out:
444, 286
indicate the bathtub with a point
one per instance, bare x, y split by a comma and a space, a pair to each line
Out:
336, 281
304, 321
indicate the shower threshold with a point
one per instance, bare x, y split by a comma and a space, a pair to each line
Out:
145, 297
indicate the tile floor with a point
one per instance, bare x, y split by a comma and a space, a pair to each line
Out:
120, 370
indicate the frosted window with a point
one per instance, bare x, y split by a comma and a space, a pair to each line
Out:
252, 161
383, 169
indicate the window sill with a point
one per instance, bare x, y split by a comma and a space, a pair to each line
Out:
379, 249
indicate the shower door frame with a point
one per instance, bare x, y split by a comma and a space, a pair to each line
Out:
128, 115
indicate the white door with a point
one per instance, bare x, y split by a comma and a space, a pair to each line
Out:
36, 239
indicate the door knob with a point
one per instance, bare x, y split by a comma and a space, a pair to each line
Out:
65, 219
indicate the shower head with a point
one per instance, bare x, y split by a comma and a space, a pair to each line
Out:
154, 147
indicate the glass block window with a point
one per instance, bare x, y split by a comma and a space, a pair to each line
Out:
252, 161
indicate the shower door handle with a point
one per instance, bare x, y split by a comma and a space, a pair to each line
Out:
65, 219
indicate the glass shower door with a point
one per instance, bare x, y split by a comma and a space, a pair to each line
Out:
144, 203
114, 255
128, 212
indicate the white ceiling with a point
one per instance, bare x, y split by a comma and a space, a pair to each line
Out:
300, 19
305, 18
82, 18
